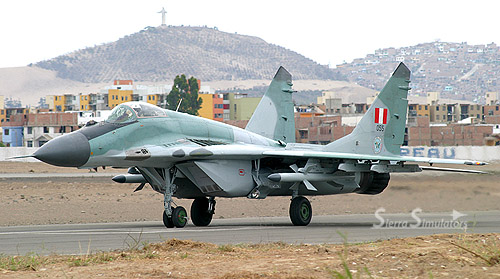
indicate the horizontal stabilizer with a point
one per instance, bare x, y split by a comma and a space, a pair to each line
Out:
451, 170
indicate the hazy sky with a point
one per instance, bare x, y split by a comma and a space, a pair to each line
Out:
328, 32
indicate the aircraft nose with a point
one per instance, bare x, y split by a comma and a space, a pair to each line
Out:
71, 150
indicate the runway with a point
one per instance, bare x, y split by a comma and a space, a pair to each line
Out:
85, 238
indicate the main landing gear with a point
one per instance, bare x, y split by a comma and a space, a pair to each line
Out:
202, 210
300, 211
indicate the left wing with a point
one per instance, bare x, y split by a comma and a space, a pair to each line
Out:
387, 167
353, 156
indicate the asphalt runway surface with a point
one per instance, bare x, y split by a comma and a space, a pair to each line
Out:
91, 238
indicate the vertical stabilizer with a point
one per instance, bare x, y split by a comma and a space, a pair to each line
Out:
381, 130
274, 116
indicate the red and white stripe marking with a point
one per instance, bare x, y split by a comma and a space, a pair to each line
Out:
381, 115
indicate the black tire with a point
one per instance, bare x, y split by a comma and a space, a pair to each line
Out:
179, 217
375, 185
300, 211
199, 212
167, 221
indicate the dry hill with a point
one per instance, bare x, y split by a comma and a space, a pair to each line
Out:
159, 54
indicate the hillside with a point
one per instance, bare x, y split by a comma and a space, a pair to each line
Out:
29, 84
458, 70
159, 54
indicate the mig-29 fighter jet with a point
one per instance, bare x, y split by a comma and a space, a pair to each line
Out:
189, 157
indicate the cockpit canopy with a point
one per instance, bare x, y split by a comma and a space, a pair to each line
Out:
129, 112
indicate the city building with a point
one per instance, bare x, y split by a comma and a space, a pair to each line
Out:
66, 102
321, 129
42, 127
7, 113
492, 98
13, 130
119, 96
212, 106
241, 107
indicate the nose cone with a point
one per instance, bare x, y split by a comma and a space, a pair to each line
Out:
71, 150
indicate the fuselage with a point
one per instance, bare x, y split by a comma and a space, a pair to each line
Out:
164, 138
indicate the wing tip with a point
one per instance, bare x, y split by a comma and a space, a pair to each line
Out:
475, 163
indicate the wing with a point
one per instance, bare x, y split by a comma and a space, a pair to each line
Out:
391, 163
354, 156
159, 155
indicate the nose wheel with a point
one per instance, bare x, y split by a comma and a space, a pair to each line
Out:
300, 211
178, 219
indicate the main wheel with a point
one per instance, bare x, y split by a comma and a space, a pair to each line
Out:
168, 222
199, 212
179, 217
300, 211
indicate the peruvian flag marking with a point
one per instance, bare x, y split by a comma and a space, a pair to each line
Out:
381, 115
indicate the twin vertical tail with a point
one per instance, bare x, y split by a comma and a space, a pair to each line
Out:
274, 116
381, 130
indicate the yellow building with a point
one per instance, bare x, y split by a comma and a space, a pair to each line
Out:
206, 110
154, 99
2, 109
85, 102
117, 96
3, 116
59, 103
422, 110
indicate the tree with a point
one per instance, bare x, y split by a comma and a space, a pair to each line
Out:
187, 90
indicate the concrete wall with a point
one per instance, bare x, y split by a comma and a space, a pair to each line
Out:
479, 153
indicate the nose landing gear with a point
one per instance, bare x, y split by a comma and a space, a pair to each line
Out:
178, 218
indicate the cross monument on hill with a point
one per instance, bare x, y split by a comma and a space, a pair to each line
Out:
163, 13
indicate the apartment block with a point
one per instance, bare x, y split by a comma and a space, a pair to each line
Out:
241, 107
154, 99
94, 102
13, 130
319, 129
491, 110
212, 106
66, 102
42, 127
7, 113
492, 98
119, 96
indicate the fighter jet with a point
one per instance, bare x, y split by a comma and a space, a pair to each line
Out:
189, 157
